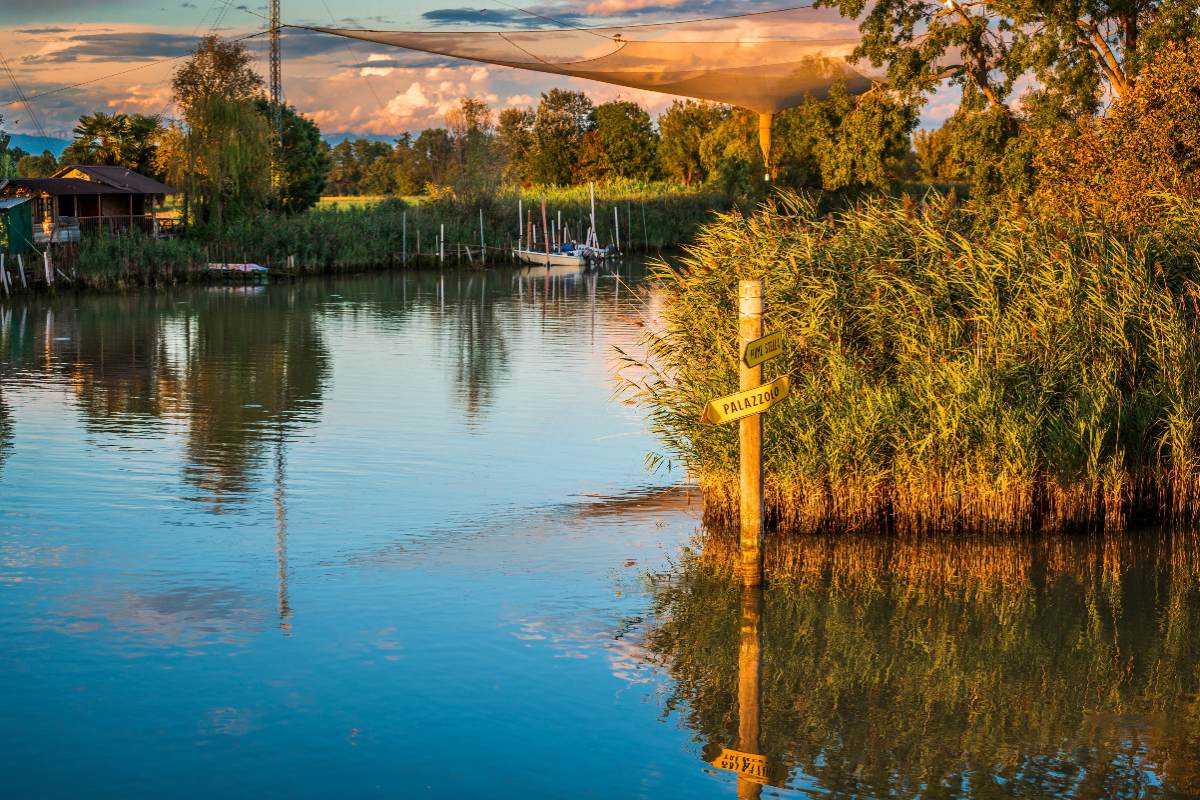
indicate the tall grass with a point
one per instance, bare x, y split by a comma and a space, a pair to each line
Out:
950, 371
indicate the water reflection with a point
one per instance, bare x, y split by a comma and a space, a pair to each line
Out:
997, 668
240, 371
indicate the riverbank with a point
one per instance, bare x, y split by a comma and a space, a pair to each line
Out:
952, 370
385, 235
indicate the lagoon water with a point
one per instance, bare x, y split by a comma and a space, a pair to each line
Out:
393, 535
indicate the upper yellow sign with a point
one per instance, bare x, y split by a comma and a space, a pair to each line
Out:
764, 348
747, 402
748, 765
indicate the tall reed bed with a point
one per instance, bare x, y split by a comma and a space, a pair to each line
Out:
950, 371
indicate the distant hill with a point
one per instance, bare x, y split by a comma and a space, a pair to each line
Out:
36, 144
335, 139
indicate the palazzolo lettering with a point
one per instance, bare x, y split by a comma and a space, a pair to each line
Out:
742, 404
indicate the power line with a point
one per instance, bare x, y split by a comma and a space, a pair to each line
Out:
69, 87
12, 77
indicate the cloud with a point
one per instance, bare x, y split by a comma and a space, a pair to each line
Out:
497, 18
518, 100
409, 102
123, 46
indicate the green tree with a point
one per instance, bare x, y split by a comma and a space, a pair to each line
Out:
43, 166
305, 165
476, 173
682, 128
1076, 51
217, 70
514, 144
221, 153
621, 142
117, 140
433, 152
562, 119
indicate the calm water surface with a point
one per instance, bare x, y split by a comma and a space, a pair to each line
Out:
393, 536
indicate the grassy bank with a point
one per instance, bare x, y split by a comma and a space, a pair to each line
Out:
354, 236
950, 370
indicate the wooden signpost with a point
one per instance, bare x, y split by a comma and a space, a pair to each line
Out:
746, 406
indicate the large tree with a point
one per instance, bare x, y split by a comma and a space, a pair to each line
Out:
476, 173
217, 70
621, 142
1076, 50
562, 119
305, 164
221, 153
43, 166
682, 129
514, 144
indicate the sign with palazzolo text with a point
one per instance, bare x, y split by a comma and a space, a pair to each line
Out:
748, 765
764, 348
742, 404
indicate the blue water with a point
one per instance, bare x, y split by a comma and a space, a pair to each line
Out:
393, 535
373, 536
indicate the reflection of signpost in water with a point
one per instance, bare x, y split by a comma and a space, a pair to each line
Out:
747, 406
746, 761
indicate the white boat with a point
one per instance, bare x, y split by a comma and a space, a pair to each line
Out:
543, 258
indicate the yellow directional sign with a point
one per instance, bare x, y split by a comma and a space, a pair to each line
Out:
748, 765
744, 403
764, 348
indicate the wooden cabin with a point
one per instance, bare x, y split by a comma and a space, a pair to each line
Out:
79, 200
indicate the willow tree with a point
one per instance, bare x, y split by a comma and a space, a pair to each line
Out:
219, 152
218, 160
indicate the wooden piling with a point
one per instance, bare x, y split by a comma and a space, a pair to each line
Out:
750, 310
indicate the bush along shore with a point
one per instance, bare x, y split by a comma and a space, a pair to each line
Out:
952, 369
388, 234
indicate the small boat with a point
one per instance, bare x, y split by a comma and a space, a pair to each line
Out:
551, 259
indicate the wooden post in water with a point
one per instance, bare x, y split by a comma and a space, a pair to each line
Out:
750, 684
482, 240
404, 241
616, 229
442, 244
750, 506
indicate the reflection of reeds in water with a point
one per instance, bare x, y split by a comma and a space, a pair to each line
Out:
905, 666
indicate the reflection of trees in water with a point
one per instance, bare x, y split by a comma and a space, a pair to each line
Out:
1064, 668
481, 352
252, 365
231, 365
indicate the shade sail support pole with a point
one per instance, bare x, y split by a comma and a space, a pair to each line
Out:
764, 142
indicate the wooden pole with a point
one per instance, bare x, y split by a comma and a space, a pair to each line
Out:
750, 684
404, 244
617, 229
442, 244
482, 240
3, 275
21, 270
750, 310
545, 232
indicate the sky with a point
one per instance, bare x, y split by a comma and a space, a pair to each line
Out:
345, 86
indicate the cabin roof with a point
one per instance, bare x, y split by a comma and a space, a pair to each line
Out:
11, 202
119, 178
64, 186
